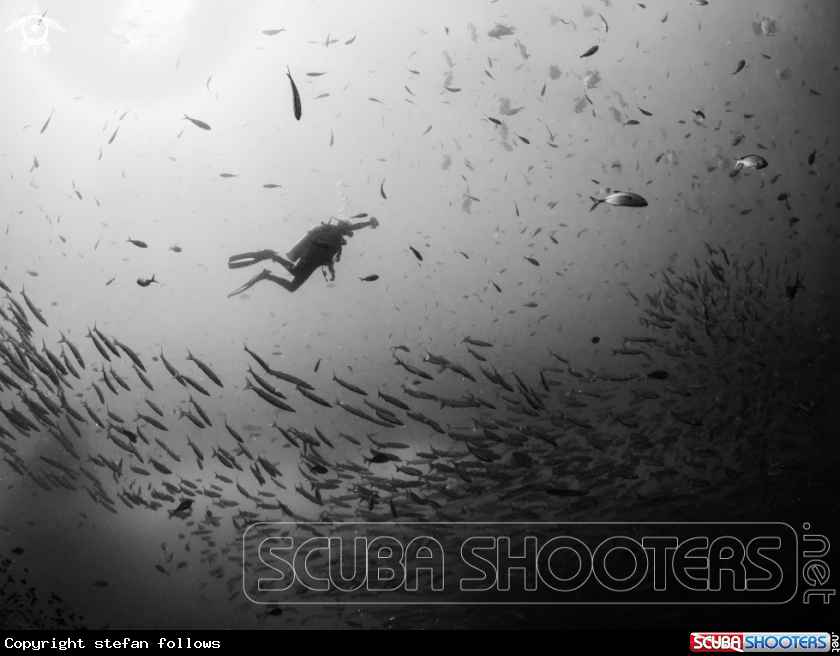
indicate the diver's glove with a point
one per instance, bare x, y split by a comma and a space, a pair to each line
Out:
373, 222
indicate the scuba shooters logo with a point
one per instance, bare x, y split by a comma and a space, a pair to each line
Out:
760, 642
520, 562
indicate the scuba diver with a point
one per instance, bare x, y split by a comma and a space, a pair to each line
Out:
320, 247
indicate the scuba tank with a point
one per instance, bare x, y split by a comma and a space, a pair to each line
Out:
300, 248
303, 246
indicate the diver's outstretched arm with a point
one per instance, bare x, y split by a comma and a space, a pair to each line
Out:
373, 223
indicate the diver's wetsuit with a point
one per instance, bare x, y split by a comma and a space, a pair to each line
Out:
320, 247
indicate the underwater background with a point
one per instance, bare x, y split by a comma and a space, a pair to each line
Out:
672, 361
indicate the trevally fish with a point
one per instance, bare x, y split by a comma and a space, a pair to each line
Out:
620, 198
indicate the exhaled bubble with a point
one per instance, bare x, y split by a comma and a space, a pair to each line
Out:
343, 203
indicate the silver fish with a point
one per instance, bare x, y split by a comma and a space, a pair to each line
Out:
620, 198
750, 162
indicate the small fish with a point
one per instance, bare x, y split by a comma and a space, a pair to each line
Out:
296, 106
658, 374
664, 18
590, 52
317, 364
739, 67
347, 43
702, 116
271, 185
524, 139
206, 85
644, 112
382, 189
500, 30
604, 21
370, 278
493, 120
498, 289
542, 93
33, 308
110, 281
273, 32
620, 198
561, 492
790, 290
532, 261
812, 157
145, 282
113, 136
416, 253
207, 372
452, 89
228, 175
750, 162
632, 121
48, 121
176, 249
137, 242
194, 121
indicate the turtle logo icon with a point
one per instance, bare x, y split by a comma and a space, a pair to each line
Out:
35, 28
